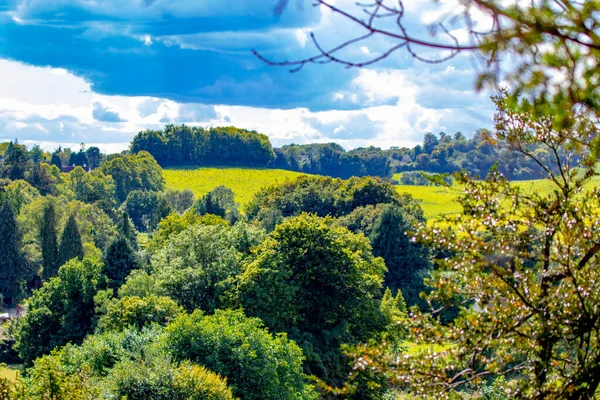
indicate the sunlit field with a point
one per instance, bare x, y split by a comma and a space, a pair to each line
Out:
244, 182
9, 371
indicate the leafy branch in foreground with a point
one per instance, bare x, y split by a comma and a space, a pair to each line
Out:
523, 269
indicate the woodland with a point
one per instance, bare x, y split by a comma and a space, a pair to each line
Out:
332, 285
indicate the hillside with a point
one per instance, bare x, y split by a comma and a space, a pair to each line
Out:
243, 181
246, 181
436, 200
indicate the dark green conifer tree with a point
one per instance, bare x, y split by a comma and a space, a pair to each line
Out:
407, 262
70, 242
12, 263
119, 260
49, 241
126, 229
56, 160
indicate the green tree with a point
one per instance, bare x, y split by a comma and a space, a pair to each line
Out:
48, 239
61, 311
56, 161
19, 193
139, 311
90, 187
219, 201
146, 209
36, 154
522, 268
319, 284
48, 380
257, 364
195, 264
13, 267
16, 161
93, 156
126, 229
180, 200
175, 223
119, 260
44, 178
70, 242
133, 172
407, 263
163, 380
119, 365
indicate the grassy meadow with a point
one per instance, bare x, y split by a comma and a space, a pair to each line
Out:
9, 371
243, 181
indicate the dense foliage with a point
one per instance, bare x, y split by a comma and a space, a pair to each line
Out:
119, 364
321, 196
146, 209
185, 145
259, 365
133, 172
70, 243
443, 153
61, 311
194, 267
220, 202
319, 284
331, 159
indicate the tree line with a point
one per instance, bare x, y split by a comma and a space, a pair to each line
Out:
442, 153
186, 145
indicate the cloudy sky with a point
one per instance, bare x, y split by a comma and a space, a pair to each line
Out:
99, 71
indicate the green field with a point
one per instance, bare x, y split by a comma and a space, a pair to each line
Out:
246, 181
9, 371
435, 200
243, 181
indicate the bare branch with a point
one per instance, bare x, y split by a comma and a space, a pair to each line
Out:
376, 11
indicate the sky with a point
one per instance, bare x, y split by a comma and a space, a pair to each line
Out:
99, 71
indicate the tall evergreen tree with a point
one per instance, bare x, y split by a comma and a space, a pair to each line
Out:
119, 260
407, 262
56, 160
126, 229
49, 241
12, 263
70, 242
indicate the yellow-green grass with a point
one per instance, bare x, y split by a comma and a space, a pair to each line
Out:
416, 348
438, 201
435, 200
244, 182
10, 371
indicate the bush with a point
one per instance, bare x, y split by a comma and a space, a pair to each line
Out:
159, 379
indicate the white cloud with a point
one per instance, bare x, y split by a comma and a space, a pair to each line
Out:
34, 111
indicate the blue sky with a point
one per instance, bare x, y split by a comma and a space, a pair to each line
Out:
98, 71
